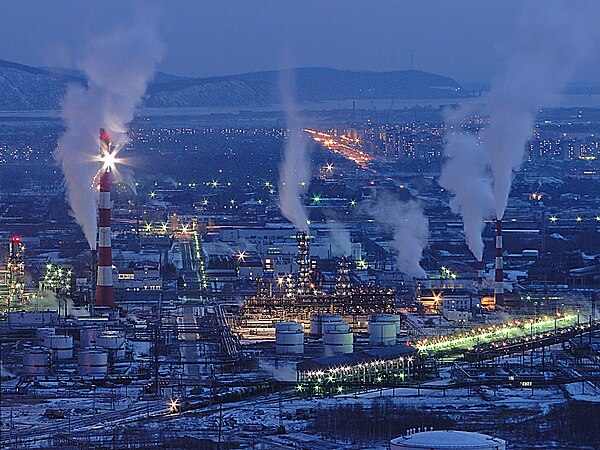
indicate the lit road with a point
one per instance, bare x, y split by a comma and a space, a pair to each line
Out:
343, 146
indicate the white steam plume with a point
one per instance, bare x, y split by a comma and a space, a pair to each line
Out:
410, 229
294, 172
465, 175
553, 38
340, 239
118, 68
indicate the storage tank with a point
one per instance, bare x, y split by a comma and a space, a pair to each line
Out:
92, 362
36, 362
338, 341
317, 321
87, 337
41, 333
335, 326
394, 318
382, 334
113, 341
447, 440
289, 338
60, 346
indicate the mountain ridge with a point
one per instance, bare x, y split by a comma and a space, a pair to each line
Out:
25, 87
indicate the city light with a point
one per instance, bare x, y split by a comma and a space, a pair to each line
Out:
174, 405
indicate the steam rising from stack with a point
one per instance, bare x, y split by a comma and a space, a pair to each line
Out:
294, 172
118, 68
552, 39
465, 175
410, 229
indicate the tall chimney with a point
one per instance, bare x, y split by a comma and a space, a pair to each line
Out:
303, 286
499, 276
479, 274
104, 286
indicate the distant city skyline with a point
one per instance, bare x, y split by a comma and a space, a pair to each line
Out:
464, 39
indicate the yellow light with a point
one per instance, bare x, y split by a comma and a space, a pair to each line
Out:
174, 405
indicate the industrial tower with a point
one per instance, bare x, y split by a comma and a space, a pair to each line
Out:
16, 272
104, 283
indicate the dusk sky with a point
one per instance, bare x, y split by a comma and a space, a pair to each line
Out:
463, 39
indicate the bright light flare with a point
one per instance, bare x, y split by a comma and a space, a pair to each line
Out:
174, 405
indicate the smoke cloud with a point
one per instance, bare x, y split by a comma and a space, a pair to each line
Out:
553, 38
410, 229
340, 239
465, 175
295, 171
117, 68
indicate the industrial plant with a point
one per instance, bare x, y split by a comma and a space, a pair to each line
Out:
351, 260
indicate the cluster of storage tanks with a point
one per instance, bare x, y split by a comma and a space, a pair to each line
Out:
95, 351
335, 333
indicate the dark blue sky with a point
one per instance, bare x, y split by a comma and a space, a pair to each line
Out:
459, 38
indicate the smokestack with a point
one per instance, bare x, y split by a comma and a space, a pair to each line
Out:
104, 287
479, 274
499, 276
303, 264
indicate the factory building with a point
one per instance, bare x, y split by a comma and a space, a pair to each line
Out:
330, 375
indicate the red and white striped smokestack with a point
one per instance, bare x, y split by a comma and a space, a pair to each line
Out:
499, 275
104, 283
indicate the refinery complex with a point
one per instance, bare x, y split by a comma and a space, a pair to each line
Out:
303, 259
193, 304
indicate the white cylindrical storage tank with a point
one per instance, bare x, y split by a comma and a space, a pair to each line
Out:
317, 321
41, 333
289, 338
447, 440
92, 362
113, 341
61, 346
394, 318
382, 334
337, 341
36, 362
87, 337
335, 326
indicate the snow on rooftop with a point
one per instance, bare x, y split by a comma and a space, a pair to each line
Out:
448, 439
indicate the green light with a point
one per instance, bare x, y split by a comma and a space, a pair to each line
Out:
316, 199
494, 334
